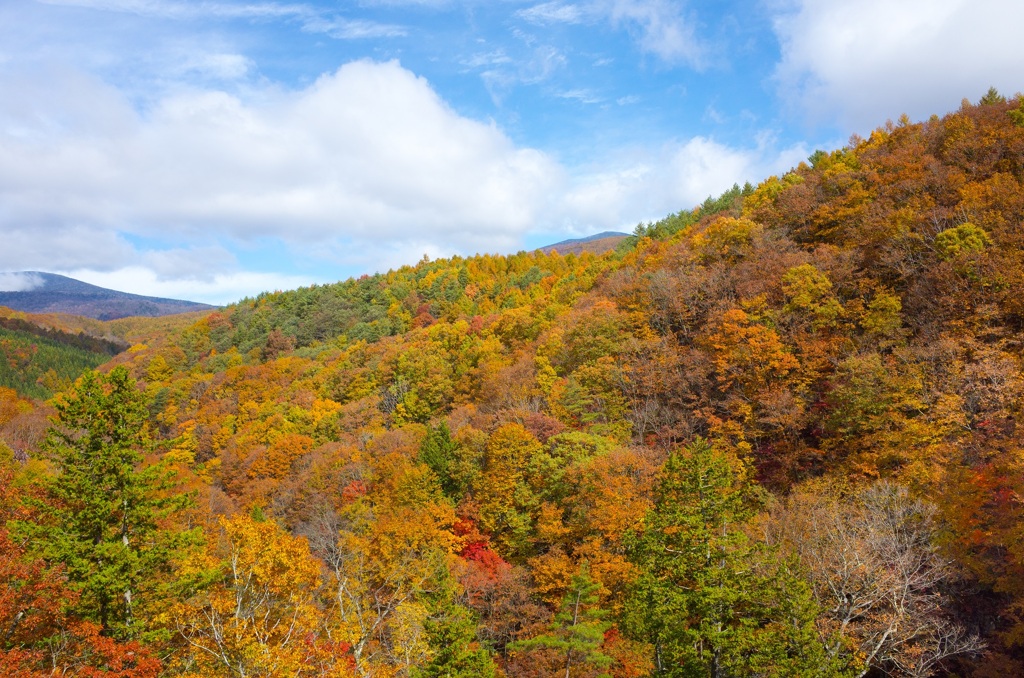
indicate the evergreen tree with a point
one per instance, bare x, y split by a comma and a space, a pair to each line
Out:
439, 452
578, 629
709, 600
103, 512
451, 634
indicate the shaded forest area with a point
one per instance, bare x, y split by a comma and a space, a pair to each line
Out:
773, 436
38, 362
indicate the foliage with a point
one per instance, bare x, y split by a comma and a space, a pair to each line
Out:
39, 366
103, 517
704, 599
578, 630
455, 439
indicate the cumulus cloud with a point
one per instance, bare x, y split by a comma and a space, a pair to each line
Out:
365, 168
20, 282
866, 61
677, 176
369, 151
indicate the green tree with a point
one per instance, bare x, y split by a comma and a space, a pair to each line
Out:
577, 632
451, 635
440, 453
709, 600
104, 515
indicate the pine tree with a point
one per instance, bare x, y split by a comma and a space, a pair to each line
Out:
578, 629
438, 451
709, 600
451, 634
102, 515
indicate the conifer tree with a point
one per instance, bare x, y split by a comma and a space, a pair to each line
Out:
711, 602
451, 634
438, 451
103, 511
578, 629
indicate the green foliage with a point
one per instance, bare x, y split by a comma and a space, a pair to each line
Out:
38, 366
577, 632
103, 518
440, 453
1017, 114
817, 157
729, 201
709, 600
455, 651
992, 96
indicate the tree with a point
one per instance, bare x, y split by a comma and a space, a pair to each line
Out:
577, 632
711, 602
452, 639
440, 452
261, 618
38, 637
878, 577
103, 514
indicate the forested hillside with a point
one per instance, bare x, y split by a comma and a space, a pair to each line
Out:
775, 435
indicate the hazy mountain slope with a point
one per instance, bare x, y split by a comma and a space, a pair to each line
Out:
598, 244
50, 293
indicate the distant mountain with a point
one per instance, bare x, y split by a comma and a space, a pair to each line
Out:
35, 292
598, 243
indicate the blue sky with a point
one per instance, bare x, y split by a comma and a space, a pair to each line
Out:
213, 149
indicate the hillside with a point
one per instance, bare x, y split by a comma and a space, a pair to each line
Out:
597, 244
50, 293
776, 434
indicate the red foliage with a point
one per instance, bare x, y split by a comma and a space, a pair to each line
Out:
352, 491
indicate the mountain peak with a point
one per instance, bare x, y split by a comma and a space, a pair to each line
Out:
39, 292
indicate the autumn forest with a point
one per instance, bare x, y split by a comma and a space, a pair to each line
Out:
774, 435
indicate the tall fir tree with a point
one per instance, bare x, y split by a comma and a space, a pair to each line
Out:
439, 452
103, 514
710, 601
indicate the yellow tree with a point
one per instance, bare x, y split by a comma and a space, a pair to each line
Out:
260, 617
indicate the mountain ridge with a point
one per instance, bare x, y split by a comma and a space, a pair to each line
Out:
39, 292
599, 243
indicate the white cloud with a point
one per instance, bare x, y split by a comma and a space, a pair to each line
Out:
220, 290
647, 185
366, 168
312, 19
172, 9
202, 264
584, 96
219, 65
367, 152
553, 12
866, 61
352, 29
19, 282
662, 28
502, 75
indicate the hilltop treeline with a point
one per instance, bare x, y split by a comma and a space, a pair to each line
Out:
775, 435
